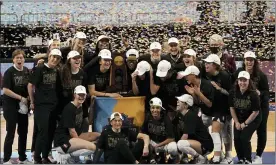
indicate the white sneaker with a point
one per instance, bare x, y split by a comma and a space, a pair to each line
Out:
25, 162
227, 160
52, 160
257, 160
8, 162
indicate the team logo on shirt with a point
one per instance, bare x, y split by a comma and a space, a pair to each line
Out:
242, 103
112, 141
157, 129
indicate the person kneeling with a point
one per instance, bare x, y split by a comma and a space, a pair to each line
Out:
115, 142
68, 136
194, 138
160, 130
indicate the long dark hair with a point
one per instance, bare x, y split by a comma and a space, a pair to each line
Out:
256, 68
66, 78
251, 86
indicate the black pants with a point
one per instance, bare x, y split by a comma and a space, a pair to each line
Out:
262, 132
35, 130
45, 118
242, 140
12, 118
122, 154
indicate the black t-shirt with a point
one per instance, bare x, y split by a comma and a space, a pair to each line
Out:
144, 87
169, 89
97, 78
244, 104
17, 82
47, 84
208, 91
191, 124
220, 103
71, 117
79, 78
108, 139
158, 130
174, 61
261, 83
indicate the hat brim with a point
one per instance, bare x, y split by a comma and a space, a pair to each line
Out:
246, 77
250, 56
140, 73
161, 74
208, 60
109, 58
56, 55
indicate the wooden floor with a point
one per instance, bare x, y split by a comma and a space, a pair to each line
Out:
270, 147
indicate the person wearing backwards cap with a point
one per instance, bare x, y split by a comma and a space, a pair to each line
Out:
174, 55
260, 81
160, 130
115, 142
77, 44
69, 136
45, 81
132, 56
245, 106
141, 82
166, 85
221, 80
15, 106
192, 136
155, 55
201, 89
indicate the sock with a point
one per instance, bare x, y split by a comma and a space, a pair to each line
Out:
217, 141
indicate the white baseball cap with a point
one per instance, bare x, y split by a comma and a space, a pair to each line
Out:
155, 45
132, 52
163, 67
244, 74
80, 90
142, 67
190, 70
116, 113
213, 58
173, 40
190, 52
80, 35
186, 98
216, 39
249, 54
102, 37
73, 54
56, 52
105, 54
156, 102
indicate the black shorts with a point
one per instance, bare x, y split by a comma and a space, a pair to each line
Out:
207, 147
63, 142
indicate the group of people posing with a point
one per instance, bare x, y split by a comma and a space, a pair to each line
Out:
184, 96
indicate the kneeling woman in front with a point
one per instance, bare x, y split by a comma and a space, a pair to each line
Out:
69, 136
191, 134
244, 106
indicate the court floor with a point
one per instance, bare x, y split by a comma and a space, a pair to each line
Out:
270, 147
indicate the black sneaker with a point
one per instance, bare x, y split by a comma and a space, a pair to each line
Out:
240, 162
37, 161
46, 161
